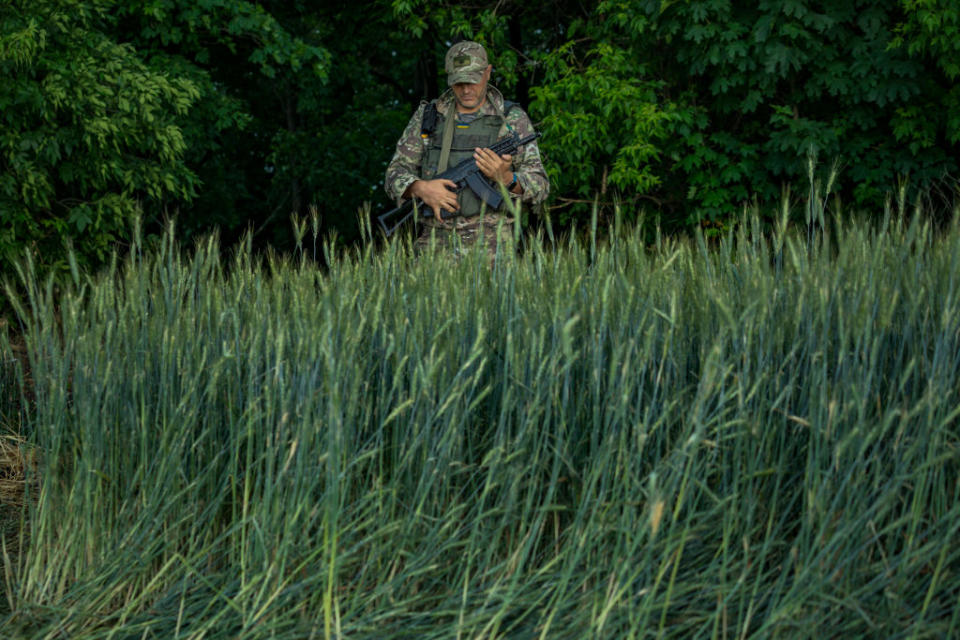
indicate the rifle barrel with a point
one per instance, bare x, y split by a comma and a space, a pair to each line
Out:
512, 143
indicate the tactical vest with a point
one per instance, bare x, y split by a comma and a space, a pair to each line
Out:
482, 132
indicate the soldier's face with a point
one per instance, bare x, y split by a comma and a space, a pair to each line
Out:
469, 96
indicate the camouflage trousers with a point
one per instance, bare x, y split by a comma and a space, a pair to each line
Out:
458, 235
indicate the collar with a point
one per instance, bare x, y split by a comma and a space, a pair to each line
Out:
493, 105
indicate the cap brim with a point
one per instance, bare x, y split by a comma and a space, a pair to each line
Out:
473, 77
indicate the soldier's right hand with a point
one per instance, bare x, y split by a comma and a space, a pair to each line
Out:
437, 194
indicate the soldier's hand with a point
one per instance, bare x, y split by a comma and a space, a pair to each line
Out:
495, 167
437, 194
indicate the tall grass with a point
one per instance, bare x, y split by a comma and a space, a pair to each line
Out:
600, 440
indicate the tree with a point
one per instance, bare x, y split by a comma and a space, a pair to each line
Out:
90, 132
256, 63
931, 31
236, 114
737, 97
781, 80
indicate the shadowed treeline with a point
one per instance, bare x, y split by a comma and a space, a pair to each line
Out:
236, 115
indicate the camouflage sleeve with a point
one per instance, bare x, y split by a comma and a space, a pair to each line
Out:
404, 167
527, 163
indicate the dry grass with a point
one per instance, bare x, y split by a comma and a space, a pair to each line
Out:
16, 457
17, 464
15, 460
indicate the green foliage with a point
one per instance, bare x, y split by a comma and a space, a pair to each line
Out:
236, 114
931, 28
90, 131
603, 123
436, 24
781, 80
200, 26
733, 98
254, 71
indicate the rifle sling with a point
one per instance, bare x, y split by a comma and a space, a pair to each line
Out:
447, 141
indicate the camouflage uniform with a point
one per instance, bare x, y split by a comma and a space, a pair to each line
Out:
415, 153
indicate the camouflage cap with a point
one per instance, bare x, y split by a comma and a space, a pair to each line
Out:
465, 62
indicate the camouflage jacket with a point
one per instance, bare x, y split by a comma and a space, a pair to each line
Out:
405, 167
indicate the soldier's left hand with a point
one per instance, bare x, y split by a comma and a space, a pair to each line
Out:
495, 167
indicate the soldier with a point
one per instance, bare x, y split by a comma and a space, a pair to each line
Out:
470, 116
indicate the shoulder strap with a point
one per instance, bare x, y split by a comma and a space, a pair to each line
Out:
447, 142
429, 122
508, 106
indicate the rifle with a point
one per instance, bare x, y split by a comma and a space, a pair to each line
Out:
464, 174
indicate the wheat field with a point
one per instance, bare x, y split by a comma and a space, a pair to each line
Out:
635, 436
